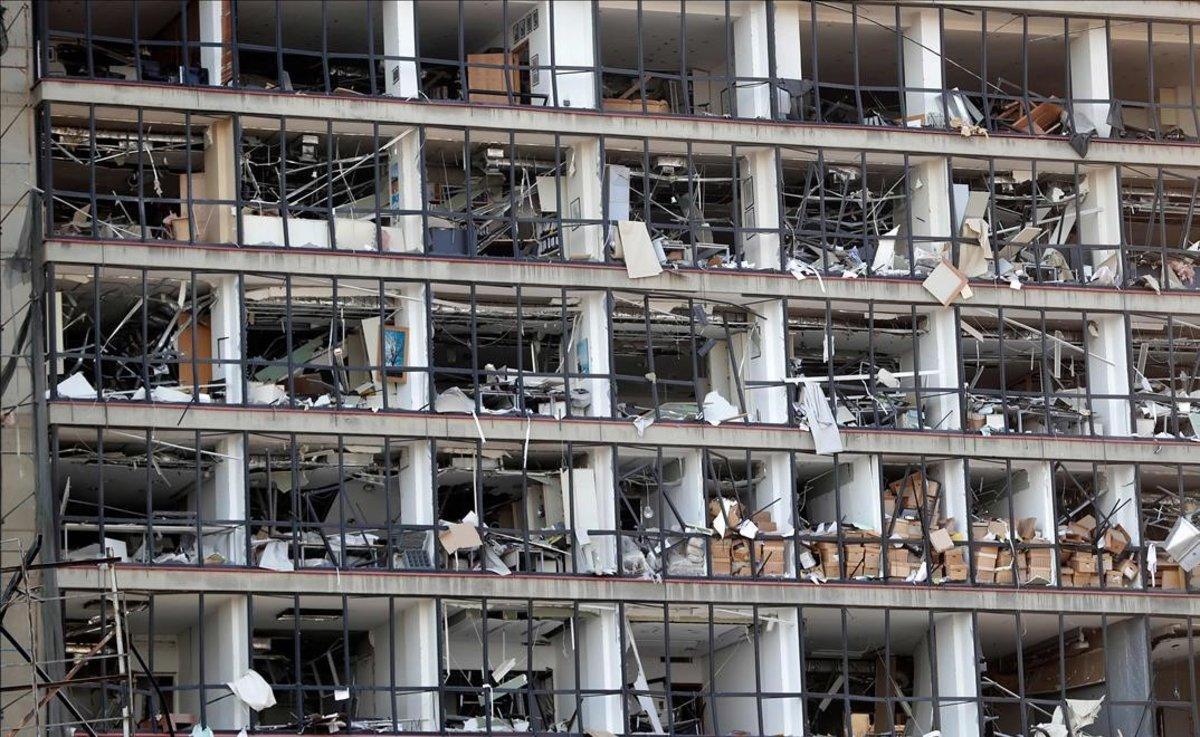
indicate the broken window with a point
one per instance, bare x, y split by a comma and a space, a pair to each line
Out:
683, 359
133, 335
517, 349
533, 508
149, 41
526, 195
147, 498
1027, 371
863, 362
674, 57
1031, 222
1165, 356
1169, 497
1104, 674
129, 174
1160, 227
679, 204
872, 671
849, 215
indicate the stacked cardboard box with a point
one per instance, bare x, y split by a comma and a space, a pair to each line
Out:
737, 550
1092, 556
861, 552
916, 492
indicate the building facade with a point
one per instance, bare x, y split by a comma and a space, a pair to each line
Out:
705, 367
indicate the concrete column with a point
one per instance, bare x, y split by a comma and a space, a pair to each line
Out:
225, 499
406, 655
930, 220
569, 26
218, 223
1126, 665
226, 321
957, 685
764, 352
598, 641
951, 475
589, 352
688, 496
581, 189
1089, 73
413, 314
753, 31
416, 490
223, 631
1108, 374
27, 503
779, 663
215, 26
1100, 216
751, 60
603, 555
774, 493
405, 195
400, 48
922, 63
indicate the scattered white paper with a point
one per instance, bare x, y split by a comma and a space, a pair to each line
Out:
453, 400
253, 691
641, 423
748, 529
275, 556
717, 409
75, 386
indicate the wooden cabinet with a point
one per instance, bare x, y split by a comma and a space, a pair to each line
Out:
486, 78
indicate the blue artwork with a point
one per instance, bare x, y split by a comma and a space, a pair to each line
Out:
395, 343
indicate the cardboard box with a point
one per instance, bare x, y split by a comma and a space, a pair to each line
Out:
1129, 569
956, 571
941, 541
733, 515
1170, 577
861, 725
905, 528
902, 564
955, 557
1114, 579
1083, 528
1115, 540
917, 492
762, 520
1085, 563
736, 556
1027, 528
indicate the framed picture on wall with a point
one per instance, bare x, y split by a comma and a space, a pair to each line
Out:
393, 348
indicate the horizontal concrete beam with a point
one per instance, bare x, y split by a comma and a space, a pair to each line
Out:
219, 580
515, 429
356, 110
1164, 10
713, 283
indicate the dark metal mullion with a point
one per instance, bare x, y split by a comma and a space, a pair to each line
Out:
141, 176
857, 76
279, 70
650, 356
